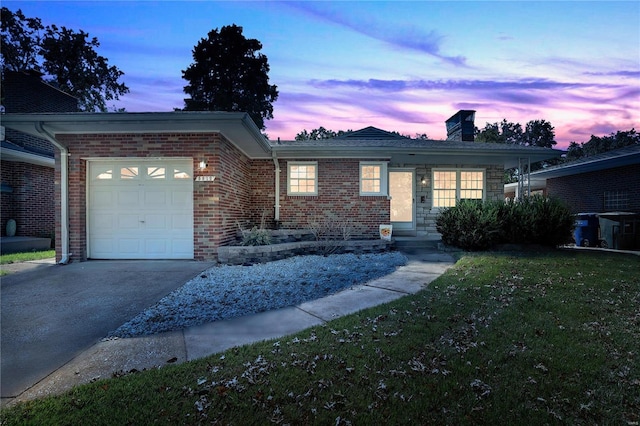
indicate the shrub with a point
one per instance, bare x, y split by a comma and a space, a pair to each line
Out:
474, 225
256, 237
471, 225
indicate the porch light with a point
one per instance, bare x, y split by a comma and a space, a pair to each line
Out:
423, 180
203, 164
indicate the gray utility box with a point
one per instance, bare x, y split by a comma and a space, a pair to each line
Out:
620, 230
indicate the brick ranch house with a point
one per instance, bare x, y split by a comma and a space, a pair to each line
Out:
605, 182
177, 184
27, 161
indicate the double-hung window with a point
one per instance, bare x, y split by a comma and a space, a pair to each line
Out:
451, 185
302, 178
373, 178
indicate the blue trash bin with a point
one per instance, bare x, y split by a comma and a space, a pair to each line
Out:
586, 230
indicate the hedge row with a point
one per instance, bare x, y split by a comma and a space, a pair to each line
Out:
477, 225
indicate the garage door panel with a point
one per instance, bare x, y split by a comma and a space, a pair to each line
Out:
181, 221
101, 198
128, 221
103, 222
179, 199
158, 222
129, 246
156, 246
137, 211
102, 245
128, 198
155, 198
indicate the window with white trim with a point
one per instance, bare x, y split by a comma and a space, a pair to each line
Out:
373, 178
302, 178
616, 200
451, 185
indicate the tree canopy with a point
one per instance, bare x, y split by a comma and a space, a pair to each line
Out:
599, 144
67, 59
229, 74
536, 133
319, 134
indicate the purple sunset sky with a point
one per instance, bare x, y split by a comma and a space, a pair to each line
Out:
399, 66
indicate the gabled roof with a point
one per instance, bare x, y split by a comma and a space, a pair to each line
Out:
371, 133
606, 160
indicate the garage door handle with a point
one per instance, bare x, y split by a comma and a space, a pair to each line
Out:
142, 221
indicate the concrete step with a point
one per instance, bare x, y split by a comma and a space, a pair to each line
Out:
417, 242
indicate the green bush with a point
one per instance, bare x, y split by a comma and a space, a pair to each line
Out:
474, 225
471, 225
256, 237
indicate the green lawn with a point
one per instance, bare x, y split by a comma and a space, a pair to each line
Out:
22, 257
29, 255
498, 339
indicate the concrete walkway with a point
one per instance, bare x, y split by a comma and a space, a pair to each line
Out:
110, 357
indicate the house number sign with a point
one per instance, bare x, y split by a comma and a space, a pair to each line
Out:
205, 178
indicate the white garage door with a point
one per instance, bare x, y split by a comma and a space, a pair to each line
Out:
140, 209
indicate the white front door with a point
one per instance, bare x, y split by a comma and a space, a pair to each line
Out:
140, 209
401, 190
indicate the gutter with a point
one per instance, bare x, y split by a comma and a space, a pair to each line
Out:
64, 190
276, 206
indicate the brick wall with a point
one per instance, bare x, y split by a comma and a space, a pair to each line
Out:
218, 205
585, 192
31, 204
263, 193
338, 198
338, 193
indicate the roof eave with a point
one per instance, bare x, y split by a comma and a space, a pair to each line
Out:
237, 127
589, 166
507, 156
13, 155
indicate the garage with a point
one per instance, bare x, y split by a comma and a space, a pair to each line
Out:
140, 208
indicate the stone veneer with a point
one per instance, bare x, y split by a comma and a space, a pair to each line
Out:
246, 255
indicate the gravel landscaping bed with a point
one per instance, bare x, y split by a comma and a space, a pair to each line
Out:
224, 292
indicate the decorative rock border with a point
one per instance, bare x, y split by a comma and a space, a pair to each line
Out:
246, 255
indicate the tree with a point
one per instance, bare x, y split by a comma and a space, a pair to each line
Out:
599, 144
536, 133
319, 134
503, 132
228, 74
67, 59
539, 133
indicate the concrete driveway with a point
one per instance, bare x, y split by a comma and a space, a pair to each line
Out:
52, 313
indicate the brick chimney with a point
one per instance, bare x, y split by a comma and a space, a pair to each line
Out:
461, 127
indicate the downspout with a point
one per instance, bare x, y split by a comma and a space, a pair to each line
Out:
64, 191
276, 206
